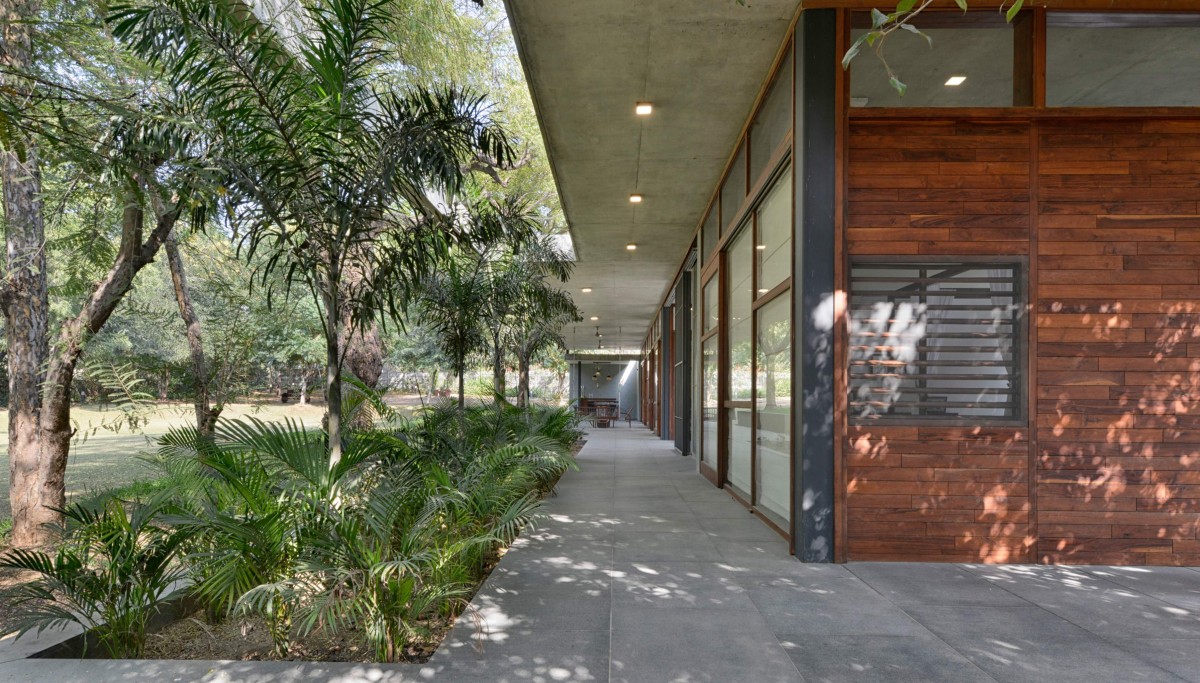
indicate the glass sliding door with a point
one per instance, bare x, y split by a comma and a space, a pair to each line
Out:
710, 370
773, 354
773, 410
739, 402
709, 404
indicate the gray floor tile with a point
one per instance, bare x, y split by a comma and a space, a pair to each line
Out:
1179, 586
1097, 604
678, 584
1180, 657
521, 656
833, 608
1031, 644
696, 646
739, 529
682, 546
931, 584
879, 659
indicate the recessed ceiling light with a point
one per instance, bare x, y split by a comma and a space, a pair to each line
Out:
761, 247
644, 108
635, 199
763, 291
955, 80
595, 317
586, 290
631, 246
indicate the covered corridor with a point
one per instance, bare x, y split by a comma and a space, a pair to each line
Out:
644, 572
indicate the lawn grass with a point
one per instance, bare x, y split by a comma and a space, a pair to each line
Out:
103, 459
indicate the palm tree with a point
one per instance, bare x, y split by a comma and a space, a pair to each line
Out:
325, 170
539, 309
451, 306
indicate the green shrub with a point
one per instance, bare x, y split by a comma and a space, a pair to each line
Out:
112, 572
394, 534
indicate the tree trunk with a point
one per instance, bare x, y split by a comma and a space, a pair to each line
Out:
364, 353
25, 297
55, 432
462, 388
333, 375
523, 382
304, 387
498, 378
206, 416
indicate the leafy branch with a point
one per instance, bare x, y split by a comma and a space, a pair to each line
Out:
900, 19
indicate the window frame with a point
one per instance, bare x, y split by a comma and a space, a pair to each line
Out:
1020, 343
1036, 57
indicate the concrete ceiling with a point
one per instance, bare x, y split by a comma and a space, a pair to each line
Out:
702, 63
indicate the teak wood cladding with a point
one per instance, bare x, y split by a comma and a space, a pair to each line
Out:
1108, 470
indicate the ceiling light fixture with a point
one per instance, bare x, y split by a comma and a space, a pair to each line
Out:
595, 317
644, 108
955, 81
761, 247
586, 290
635, 199
631, 247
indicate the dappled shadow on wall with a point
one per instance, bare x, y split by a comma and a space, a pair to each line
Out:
1119, 433
938, 450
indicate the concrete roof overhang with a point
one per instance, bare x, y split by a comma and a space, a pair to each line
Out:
702, 63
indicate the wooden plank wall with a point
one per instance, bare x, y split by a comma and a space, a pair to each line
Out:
929, 493
1119, 342
1112, 229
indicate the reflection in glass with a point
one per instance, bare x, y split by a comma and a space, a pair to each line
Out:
774, 250
1122, 59
773, 119
982, 55
711, 304
709, 402
709, 234
773, 402
733, 192
741, 297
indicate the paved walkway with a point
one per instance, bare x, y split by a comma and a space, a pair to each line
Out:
644, 573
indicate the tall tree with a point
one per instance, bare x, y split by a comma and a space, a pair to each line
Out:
206, 415
538, 308
112, 141
24, 296
326, 171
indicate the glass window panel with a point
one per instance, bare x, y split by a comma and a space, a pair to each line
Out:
709, 402
1122, 60
711, 304
978, 47
774, 248
741, 296
773, 403
709, 234
733, 192
773, 119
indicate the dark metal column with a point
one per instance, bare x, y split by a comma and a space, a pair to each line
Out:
813, 319
683, 363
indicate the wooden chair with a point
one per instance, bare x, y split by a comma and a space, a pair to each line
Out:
628, 417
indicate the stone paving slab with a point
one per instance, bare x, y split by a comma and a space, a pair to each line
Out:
643, 573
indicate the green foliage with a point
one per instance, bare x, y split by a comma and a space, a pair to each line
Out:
901, 19
394, 533
112, 572
123, 389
